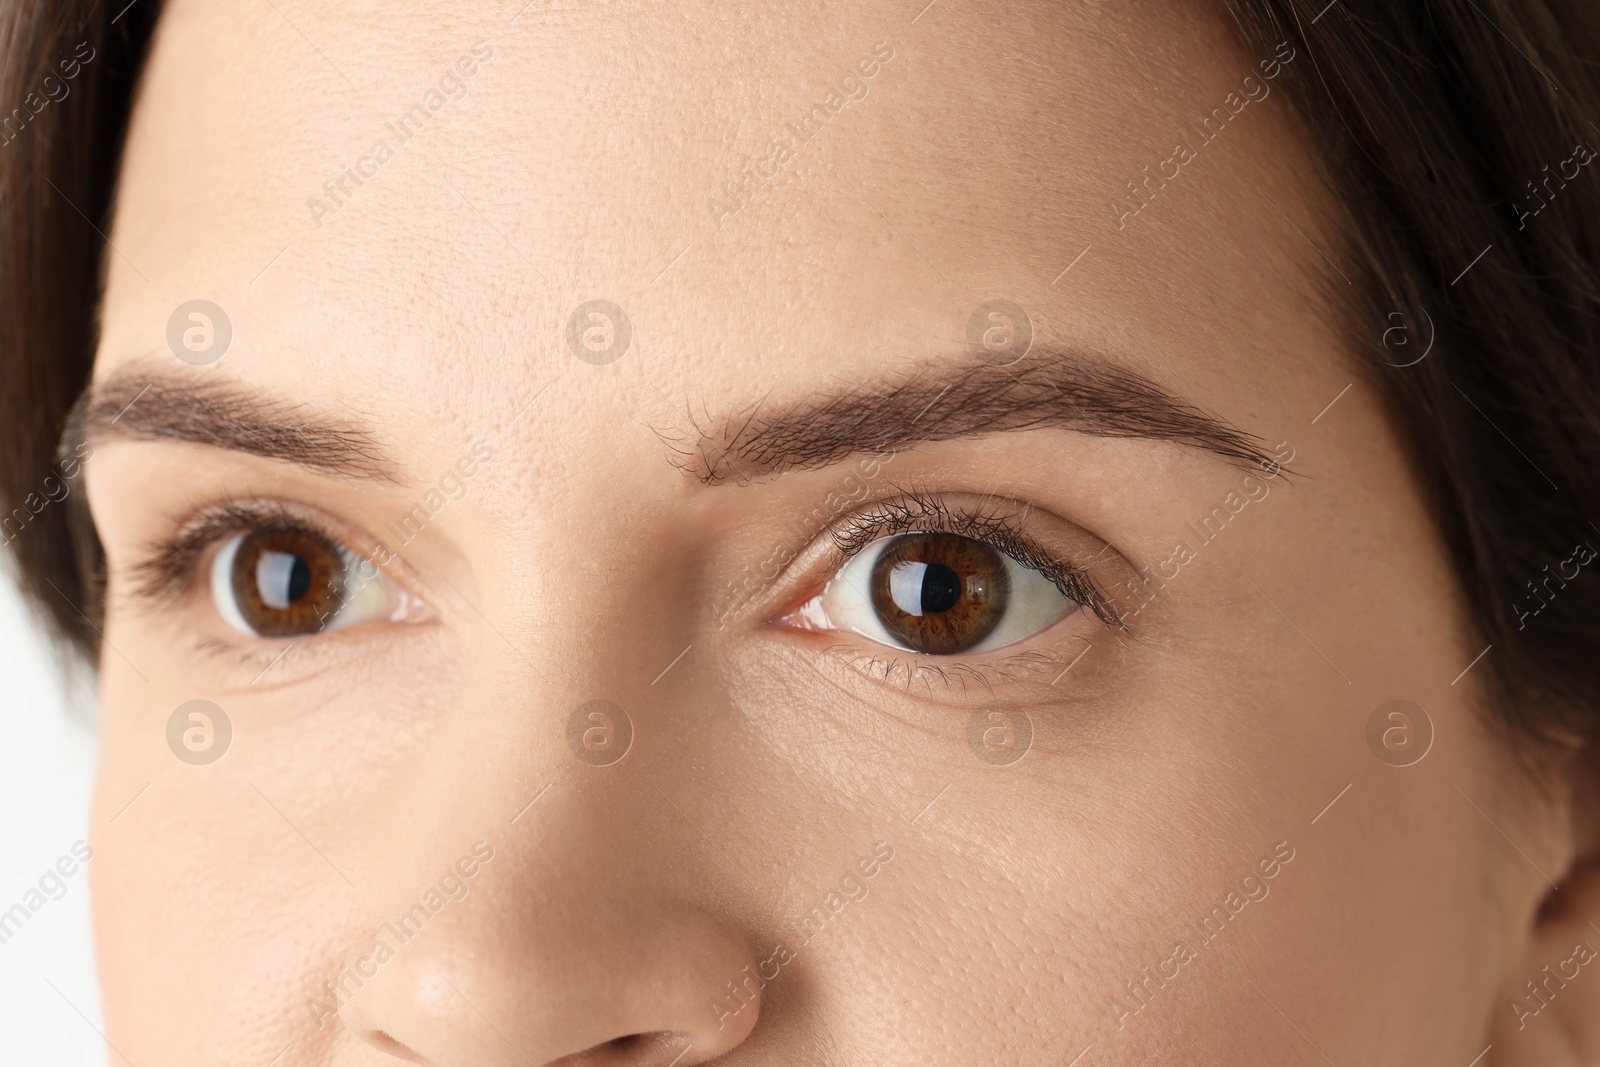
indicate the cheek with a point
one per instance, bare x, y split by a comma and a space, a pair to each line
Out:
208, 879
193, 886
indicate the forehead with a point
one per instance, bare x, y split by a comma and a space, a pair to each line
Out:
404, 207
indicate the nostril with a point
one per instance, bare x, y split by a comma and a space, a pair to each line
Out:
660, 1048
384, 1043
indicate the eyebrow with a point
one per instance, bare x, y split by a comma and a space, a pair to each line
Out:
1051, 388
143, 405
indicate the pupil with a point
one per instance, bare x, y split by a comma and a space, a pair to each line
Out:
287, 582
940, 593
941, 589
282, 578
299, 579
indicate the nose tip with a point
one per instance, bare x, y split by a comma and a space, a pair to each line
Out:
580, 937
664, 996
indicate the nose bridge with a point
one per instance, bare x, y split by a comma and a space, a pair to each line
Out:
543, 911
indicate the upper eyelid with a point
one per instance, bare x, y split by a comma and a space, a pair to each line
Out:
171, 565
170, 562
910, 509
857, 530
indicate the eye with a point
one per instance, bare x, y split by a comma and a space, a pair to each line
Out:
288, 582
938, 594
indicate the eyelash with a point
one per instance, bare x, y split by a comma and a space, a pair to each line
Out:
911, 509
171, 567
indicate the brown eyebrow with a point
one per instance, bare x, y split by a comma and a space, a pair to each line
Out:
1052, 387
143, 405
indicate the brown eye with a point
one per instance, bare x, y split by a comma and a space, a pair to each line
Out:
280, 582
940, 593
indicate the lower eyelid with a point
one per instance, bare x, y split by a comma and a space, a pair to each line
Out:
892, 666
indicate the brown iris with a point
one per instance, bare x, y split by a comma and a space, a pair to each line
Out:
940, 593
287, 582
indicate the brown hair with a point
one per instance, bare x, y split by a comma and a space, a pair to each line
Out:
68, 70
1446, 125
1450, 129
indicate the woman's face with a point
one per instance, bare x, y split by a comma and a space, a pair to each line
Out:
823, 534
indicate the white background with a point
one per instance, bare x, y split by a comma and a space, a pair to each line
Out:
46, 764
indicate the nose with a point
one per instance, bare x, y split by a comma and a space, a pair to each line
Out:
581, 936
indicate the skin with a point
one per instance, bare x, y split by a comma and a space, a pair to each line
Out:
767, 760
